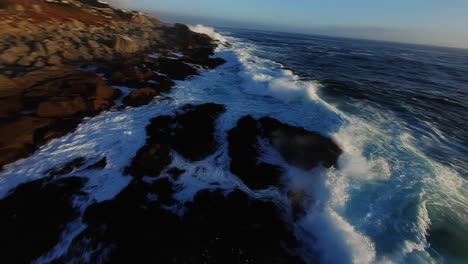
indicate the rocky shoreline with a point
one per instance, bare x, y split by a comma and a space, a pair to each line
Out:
46, 92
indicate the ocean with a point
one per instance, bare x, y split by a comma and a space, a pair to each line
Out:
400, 191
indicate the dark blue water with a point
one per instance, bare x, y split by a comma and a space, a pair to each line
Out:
414, 100
426, 87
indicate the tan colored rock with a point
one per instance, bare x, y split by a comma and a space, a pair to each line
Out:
19, 8
37, 9
26, 60
84, 53
125, 44
61, 107
54, 60
105, 92
71, 54
39, 63
93, 44
11, 55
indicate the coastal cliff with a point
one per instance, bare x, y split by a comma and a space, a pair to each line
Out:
47, 46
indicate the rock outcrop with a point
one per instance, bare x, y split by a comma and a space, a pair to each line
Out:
299, 147
34, 215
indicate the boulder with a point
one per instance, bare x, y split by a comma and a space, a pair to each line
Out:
190, 132
176, 68
54, 60
244, 152
139, 97
11, 55
34, 215
299, 147
62, 107
125, 44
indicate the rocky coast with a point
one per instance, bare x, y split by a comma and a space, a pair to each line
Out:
62, 62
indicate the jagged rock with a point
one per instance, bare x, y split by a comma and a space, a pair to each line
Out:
62, 107
39, 63
142, 96
34, 215
190, 132
67, 168
124, 44
299, 147
244, 152
176, 68
102, 163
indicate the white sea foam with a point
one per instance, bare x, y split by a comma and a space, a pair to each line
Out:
208, 31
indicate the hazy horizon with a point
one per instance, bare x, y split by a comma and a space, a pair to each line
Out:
419, 22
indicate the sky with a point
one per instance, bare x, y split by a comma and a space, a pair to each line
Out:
432, 22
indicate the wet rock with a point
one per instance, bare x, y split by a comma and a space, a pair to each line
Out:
54, 129
102, 163
135, 227
176, 68
17, 137
139, 97
34, 215
175, 173
244, 152
299, 147
190, 132
67, 168
61, 107
150, 160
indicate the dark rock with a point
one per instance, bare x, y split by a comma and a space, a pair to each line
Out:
244, 153
150, 160
191, 132
139, 97
175, 172
98, 165
299, 147
214, 229
67, 168
61, 107
55, 129
176, 68
34, 215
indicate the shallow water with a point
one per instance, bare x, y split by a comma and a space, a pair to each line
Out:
399, 193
